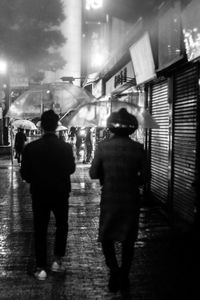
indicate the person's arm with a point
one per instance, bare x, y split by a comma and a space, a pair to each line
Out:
96, 169
71, 166
144, 173
16, 140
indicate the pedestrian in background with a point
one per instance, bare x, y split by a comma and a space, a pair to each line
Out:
119, 165
61, 135
79, 139
20, 140
88, 143
47, 164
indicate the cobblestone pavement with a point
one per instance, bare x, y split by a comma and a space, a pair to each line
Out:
162, 268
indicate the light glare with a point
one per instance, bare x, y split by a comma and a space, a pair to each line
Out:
97, 60
93, 4
3, 67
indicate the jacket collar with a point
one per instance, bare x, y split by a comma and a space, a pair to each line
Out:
49, 134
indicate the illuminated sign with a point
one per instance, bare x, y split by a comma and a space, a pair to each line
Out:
97, 47
93, 4
191, 30
120, 78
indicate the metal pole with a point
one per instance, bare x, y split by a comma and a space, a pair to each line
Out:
1, 110
11, 141
1, 126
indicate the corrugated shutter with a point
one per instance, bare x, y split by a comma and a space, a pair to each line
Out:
184, 140
159, 142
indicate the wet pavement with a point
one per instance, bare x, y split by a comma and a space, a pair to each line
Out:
165, 257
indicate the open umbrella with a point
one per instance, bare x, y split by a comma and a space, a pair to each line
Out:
97, 112
25, 124
60, 96
61, 128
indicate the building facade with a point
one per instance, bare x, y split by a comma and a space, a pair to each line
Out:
164, 55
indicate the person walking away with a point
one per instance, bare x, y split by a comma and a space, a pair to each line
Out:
61, 135
47, 164
79, 139
72, 134
88, 142
20, 140
119, 165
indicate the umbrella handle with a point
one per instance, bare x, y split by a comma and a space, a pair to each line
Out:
64, 115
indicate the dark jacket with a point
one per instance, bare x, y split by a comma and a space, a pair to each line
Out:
119, 165
20, 140
47, 164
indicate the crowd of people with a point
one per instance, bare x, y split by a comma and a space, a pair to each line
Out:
118, 163
82, 140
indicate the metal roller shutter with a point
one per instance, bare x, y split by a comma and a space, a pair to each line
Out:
159, 142
184, 140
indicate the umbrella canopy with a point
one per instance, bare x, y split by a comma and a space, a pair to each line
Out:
97, 112
61, 128
25, 124
60, 96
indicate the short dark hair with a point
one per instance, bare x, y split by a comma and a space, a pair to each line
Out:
122, 131
49, 120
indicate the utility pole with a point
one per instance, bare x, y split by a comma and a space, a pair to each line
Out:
3, 71
1, 121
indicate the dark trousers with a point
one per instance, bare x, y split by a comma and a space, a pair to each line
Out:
126, 256
18, 155
42, 207
88, 152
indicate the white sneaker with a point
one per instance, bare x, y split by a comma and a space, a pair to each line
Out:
58, 267
40, 274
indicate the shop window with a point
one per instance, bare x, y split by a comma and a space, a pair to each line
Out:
191, 29
169, 35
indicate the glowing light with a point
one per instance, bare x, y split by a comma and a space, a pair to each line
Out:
82, 132
93, 4
192, 43
97, 60
3, 67
82, 185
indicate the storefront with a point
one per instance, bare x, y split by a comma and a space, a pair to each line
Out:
184, 142
173, 101
162, 74
122, 86
158, 142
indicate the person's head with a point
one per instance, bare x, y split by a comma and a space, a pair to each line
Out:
49, 121
122, 123
20, 129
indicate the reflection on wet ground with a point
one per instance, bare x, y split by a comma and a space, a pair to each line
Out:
163, 263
